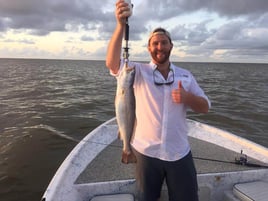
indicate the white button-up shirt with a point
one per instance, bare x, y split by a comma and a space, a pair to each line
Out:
161, 129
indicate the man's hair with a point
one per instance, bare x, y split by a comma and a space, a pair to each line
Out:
158, 31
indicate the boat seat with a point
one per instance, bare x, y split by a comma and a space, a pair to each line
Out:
114, 197
252, 191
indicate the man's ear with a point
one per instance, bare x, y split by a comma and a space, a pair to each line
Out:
148, 48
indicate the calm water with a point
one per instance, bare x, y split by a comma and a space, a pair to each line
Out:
47, 106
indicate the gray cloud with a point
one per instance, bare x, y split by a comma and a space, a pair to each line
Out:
239, 34
44, 16
162, 10
237, 40
238, 7
87, 38
193, 34
244, 34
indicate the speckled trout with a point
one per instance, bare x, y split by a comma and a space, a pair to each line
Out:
125, 111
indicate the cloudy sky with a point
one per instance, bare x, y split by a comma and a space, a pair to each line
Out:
202, 30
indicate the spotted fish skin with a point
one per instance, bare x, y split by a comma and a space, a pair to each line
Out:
125, 111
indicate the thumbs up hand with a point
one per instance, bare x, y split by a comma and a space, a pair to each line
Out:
179, 95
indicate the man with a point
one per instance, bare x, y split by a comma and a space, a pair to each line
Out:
163, 94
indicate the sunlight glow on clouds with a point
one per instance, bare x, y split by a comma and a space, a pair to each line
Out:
210, 30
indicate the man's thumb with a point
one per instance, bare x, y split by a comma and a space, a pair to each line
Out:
179, 85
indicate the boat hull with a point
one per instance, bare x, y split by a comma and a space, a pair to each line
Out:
212, 185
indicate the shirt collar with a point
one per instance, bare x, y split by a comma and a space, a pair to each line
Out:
154, 66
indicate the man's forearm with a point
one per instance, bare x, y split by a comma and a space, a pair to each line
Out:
197, 104
114, 49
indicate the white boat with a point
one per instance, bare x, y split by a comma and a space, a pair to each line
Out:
94, 168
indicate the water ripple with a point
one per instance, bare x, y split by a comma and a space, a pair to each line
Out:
47, 106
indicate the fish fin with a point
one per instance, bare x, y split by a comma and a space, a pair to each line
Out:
128, 157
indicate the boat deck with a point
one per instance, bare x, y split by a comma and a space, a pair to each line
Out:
107, 165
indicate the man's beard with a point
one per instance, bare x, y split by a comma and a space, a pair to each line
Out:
163, 59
